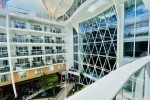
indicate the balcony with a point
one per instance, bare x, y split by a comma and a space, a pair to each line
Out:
50, 51
60, 60
60, 41
4, 68
49, 62
37, 52
21, 40
21, 66
22, 53
21, 25
49, 41
3, 37
56, 30
36, 40
61, 51
54, 61
38, 63
36, 27
4, 54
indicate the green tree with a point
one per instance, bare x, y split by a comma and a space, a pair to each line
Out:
53, 82
47, 81
43, 81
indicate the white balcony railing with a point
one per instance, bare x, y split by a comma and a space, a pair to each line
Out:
111, 87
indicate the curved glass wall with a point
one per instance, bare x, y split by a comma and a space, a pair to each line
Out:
136, 45
98, 45
136, 30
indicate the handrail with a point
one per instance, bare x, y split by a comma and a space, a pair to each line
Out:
107, 87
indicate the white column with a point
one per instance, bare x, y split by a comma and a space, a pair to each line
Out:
9, 55
120, 31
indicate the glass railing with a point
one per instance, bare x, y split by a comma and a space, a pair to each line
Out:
22, 66
49, 41
21, 40
36, 40
24, 39
60, 60
49, 62
33, 52
37, 52
21, 25
4, 68
3, 37
50, 51
22, 53
3, 54
61, 51
136, 88
60, 41
36, 27
37, 64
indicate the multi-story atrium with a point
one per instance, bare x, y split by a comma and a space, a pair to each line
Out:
74, 50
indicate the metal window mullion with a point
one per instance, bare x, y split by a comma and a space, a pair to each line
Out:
134, 31
149, 37
79, 58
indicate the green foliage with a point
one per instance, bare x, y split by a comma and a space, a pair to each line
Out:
75, 89
43, 81
53, 80
47, 81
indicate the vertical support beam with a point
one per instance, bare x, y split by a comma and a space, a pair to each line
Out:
9, 55
120, 31
3, 4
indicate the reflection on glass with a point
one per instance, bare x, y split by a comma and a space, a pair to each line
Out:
136, 28
130, 9
136, 88
128, 49
141, 48
96, 48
